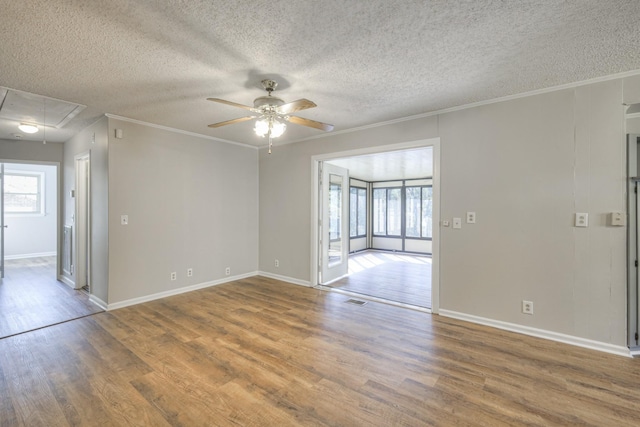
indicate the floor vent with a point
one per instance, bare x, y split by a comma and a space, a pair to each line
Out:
355, 301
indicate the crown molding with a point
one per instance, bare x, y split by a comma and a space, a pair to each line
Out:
183, 132
475, 104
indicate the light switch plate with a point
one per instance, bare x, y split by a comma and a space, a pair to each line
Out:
582, 219
457, 222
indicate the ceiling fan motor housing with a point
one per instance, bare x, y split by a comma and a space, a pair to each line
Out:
267, 102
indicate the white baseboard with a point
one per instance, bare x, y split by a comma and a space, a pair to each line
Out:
97, 301
152, 297
67, 281
540, 333
25, 256
285, 278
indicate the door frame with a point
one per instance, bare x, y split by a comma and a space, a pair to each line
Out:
633, 300
315, 205
85, 232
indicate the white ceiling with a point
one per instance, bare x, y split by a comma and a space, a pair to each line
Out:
361, 62
392, 165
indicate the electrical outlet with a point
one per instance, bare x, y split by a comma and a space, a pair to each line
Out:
227, 271
174, 275
582, 219
277, 263
471, 217
527, 307
189, 272
124, 219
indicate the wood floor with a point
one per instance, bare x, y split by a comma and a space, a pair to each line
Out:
396, 277
31, 297
258, 352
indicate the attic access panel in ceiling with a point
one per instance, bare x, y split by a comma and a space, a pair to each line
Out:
26, 107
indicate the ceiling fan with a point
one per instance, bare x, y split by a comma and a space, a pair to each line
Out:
272, 112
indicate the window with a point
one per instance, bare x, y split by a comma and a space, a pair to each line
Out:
387, 211
23, 193
357, 212
418, 210
380, 211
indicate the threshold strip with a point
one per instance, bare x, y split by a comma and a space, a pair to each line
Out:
52, 324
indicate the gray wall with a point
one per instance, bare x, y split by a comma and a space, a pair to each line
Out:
525, 166
31, 151
34, 235
191, 202
93, 139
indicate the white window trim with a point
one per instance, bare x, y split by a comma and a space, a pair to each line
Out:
41, 190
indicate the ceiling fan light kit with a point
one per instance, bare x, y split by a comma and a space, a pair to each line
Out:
272, 112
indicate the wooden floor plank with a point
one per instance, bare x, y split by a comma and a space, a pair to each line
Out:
259, 352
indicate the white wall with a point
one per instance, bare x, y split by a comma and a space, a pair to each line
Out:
192, 202
33, 235
525, 166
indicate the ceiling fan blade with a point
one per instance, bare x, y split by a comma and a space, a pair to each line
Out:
310, 123
233, 104
230, 122
292, 107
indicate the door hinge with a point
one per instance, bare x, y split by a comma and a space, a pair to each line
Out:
636, 336
636, 263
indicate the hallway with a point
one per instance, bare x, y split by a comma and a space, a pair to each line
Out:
31, 297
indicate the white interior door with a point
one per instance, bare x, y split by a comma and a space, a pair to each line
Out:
2, 225
334, 228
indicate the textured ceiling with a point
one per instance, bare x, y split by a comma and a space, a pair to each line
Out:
361, 62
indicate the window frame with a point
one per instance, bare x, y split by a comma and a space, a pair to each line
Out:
421, 187
364, 190
40, 176
386, 228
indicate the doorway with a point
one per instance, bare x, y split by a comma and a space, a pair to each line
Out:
31, 296
401, 265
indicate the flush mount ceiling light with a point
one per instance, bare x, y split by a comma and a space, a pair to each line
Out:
272, 113
28, 128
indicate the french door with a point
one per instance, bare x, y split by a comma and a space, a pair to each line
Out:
334, 227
